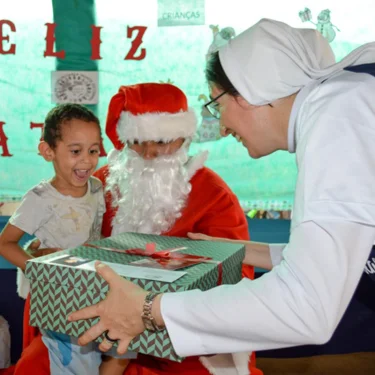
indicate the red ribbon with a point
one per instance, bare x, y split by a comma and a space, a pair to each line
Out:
150, 251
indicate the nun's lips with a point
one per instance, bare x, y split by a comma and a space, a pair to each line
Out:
224, 130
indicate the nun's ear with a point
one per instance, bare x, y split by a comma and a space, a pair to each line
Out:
242, 102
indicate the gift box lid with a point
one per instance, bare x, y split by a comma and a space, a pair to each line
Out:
229, 254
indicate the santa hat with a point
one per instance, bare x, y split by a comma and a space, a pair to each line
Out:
149, 112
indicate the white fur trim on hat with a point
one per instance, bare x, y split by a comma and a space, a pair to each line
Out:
156, 126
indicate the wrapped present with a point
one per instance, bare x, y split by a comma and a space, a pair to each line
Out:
66, 281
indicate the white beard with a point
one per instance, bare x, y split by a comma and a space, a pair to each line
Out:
149, 194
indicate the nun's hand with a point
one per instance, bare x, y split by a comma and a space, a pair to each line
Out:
120, 312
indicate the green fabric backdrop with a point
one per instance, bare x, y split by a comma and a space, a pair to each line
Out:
172, 53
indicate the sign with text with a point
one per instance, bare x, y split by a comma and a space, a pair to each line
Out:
181, 12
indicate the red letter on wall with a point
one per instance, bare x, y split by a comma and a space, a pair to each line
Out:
136, 43
95, 43
3, 141
50, 40
12, 49
39, 125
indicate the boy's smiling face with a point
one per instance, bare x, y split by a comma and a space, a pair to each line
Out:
75, 156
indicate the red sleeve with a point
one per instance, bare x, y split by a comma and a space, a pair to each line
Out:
102, 174
225, 218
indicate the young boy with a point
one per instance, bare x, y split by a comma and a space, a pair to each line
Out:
64, 212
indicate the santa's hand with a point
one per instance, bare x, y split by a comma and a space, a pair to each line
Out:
204, 237
200, 236
257, 254
120, 312
33, 249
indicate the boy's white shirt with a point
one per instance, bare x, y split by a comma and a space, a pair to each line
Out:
59, 221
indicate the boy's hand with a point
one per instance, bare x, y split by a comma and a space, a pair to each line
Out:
33, 249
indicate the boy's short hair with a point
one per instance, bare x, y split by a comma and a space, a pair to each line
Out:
61, 114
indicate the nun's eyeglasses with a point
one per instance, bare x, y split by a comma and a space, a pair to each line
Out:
213, 106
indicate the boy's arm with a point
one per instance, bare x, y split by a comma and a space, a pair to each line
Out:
9, 248
28, 217
12, 252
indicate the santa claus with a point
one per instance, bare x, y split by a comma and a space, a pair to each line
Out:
153, 186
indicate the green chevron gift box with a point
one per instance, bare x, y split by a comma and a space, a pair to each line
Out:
66, 281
